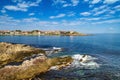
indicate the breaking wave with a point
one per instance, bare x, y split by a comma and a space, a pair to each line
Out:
84, 62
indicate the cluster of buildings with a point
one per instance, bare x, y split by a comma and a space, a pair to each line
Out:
38, 32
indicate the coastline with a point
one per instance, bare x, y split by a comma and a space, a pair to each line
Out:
41, 33
34, 61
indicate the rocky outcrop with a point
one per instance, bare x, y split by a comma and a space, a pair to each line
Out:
30, 68
33, 62
16, 52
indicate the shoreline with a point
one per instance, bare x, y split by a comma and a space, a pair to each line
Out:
49, 35
33, 61
39, 33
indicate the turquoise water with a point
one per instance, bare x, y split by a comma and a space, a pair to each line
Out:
106, 47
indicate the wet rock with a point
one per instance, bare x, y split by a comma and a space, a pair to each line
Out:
61, 62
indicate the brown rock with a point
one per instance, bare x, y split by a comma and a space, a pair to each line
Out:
16, 52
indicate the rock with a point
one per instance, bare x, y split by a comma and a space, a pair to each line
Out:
52, 50
54, 68
30, 68
34, 62
16, 52
62, 63
27, 69
86, 58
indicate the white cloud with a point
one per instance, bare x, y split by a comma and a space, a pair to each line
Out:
100, 12
112, 12
55, 23
30, 23
108, 21
30, 19
73, 23
102, 9
31, 14
99, 8
38, 1
95, 1
55, 2
91, 19
112, 21
91, 5
22, 5
14, 8
110, 1
58, 16
16, 1
33, 22
3, 11
8, 21
70, 14
117, 8
102, 1
75, 2
65, 3
85, 13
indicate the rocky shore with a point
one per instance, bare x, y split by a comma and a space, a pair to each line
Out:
16, 52
23, 62
30, 66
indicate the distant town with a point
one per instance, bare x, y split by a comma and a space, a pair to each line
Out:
39, 32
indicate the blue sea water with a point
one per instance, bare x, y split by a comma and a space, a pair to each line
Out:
104, 46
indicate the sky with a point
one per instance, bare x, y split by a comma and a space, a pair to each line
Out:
86, 16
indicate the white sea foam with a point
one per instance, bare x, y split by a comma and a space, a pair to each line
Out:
77, 57
81, 61
84, 61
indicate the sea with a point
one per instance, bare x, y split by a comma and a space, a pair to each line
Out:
104, 47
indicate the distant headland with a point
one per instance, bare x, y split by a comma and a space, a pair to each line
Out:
39, 32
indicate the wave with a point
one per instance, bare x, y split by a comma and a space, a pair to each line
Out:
84, 62
81, 62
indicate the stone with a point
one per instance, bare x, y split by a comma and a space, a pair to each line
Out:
16, 52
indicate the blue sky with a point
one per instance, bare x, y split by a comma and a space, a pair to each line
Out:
87, 16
